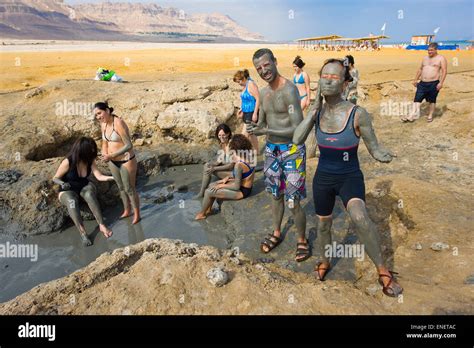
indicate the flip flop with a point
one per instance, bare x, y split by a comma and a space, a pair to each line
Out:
429, 119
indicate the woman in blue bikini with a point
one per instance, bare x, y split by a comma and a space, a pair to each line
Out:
301, 80
235, 187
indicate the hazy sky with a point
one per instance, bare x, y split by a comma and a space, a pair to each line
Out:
273, 18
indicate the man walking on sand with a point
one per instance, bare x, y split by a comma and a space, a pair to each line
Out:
428, 81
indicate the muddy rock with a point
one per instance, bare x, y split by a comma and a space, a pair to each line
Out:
194, 120
439, 246
8, 177
217, 277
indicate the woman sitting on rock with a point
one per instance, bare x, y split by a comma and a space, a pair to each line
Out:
237, 186
72, 176
117, 149
222, 166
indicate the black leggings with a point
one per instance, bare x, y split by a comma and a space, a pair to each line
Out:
327, 186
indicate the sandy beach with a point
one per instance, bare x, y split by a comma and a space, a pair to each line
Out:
36, 64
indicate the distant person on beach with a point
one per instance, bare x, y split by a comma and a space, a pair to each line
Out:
428, 81
222, 165
72, 177
339, 125
239, 184
285, 162
117, 150
250, 102
302, 82
350, 93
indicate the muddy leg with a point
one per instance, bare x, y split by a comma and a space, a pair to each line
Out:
369, 237
70, 199
206, 180
128, 172
221, 194
123, 195
299, 217
89, 194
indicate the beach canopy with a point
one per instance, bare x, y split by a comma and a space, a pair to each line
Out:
340, 38
319, 38
369, 38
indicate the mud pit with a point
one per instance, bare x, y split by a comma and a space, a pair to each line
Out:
423, 197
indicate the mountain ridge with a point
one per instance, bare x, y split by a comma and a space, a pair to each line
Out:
53, 19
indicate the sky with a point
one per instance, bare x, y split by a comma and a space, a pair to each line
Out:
287, 20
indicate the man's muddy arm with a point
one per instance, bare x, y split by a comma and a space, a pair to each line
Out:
259, 128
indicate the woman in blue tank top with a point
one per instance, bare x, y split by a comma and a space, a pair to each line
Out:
250, 103
339, 125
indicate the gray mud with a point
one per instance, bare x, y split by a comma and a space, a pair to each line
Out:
240, 226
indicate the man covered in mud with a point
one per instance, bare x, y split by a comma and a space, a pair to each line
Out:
339, 125
285, 163
428, 81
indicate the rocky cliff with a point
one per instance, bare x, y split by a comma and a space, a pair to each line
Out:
53, 19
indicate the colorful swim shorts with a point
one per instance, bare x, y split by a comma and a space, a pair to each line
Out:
285, 170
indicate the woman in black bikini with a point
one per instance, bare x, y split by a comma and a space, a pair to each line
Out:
117, 149
72, 176
235, 187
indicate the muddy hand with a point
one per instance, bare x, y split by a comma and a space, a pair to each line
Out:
250, 127
383, 155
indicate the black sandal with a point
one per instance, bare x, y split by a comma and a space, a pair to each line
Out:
269, 243
387, 290
305, 252
319, 268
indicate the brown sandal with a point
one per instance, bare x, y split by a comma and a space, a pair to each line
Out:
387, 290
320, 268
301, 251
269, 243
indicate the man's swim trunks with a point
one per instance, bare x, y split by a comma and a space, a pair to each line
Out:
285, 170
426, 90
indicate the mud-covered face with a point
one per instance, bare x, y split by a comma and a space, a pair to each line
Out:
332, 79
432, 51
266, 68
101, 115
